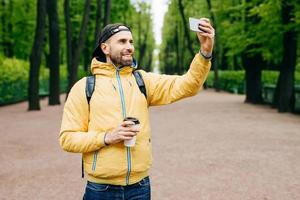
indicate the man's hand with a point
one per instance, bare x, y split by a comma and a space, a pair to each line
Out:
206, 38
123, 132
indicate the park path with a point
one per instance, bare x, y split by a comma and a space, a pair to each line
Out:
209, 147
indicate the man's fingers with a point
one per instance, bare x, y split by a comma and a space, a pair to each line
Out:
205, 29
129, 129
206, 34
127, 123
127, 133
206, 24
126, 137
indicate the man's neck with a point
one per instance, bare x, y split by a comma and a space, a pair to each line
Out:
109, 61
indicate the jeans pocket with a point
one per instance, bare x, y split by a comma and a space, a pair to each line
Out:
97, 187
145, 182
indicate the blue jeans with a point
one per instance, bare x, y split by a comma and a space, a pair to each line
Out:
137, 191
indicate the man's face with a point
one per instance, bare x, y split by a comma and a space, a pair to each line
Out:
120, 48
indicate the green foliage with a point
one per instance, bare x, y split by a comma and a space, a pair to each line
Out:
140, 22
234, 81
14, 74
13, 80
21, 17
243, 27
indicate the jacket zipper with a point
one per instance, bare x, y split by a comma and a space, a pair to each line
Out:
95, 160
124, 115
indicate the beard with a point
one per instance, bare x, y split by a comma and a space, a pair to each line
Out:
120, 60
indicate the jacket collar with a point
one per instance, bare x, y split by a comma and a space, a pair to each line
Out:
101, 68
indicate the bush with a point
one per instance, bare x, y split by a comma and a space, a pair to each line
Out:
14, 76
234, 81
231, 81
13, 80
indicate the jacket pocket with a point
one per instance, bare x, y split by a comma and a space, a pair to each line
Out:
144, 182
97, 187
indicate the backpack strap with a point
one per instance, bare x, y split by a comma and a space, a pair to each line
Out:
140, 82
89, 87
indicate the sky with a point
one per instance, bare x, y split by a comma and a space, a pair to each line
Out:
158, 10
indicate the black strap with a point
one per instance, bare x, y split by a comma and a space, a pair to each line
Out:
140, 81
82, 170
89, 89
90, 86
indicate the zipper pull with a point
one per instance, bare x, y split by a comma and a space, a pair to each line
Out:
129, 82
112, 83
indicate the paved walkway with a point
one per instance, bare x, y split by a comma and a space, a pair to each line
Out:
210, 147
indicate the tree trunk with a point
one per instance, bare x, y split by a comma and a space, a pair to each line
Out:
7, 19
139, 40
10, 45
177, 50
252, 64
286, 101
107, 12
79, 45
186, 31
35, 57
54, 53
149, 63
98, 21
87, 54
68, 40
143, 45
253, 79
3, 26
216, 50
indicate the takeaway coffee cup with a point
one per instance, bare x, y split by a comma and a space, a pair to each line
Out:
131, 142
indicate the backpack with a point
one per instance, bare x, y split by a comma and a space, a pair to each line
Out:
90, 87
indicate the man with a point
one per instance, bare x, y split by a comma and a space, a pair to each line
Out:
97, 130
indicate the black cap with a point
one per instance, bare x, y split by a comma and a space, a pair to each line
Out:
108, 31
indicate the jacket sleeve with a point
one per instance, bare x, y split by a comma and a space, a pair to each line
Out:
165, 89
74, 135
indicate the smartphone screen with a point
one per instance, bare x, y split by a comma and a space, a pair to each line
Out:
194, 24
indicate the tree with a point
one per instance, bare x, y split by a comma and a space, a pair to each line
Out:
74, 49
216, 50
286, 80
186, 31
98, 21
69, 45
35, 57
54, 52
252, 62
143, 25
6, 20
107, 12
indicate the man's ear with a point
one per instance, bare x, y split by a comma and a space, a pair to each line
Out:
105, 48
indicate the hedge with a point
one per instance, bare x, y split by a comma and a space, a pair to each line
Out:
14, 76
234, 81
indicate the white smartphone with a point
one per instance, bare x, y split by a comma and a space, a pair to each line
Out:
194, 24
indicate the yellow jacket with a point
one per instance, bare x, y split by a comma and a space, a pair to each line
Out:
117, 95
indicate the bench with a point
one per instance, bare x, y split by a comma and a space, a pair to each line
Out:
268, 94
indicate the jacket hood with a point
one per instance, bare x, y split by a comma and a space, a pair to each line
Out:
98, 67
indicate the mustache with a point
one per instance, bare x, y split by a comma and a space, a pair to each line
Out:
127, 52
